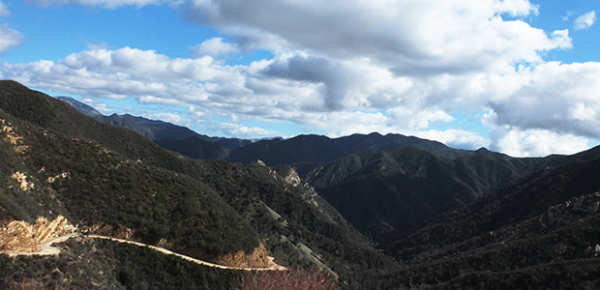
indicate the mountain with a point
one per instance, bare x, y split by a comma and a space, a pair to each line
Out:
81, 107
384, 185
195, 148
112, 180
300, 149
154, 129
318, 149
383, 194
539, 232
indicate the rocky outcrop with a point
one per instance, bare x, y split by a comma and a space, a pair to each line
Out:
570, 211
20, 236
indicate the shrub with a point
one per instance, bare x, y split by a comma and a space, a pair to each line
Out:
287, 280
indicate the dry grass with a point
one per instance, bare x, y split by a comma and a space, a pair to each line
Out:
25, 285
287, 280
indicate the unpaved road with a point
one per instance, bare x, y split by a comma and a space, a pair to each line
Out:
47, 249
273, 266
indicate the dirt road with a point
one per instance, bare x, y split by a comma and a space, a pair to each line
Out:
46, 248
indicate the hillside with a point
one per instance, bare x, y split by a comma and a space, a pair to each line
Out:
539, 232
110, 176
387, 193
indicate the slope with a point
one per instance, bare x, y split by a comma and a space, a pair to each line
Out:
130, 176
91, 185
387, 193
540, 231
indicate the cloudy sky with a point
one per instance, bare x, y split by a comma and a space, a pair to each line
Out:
516, 76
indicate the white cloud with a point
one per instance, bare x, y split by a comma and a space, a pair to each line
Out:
357, 67
173, 118
238, 130
3, 9
553, 96
9, 37
529, 143
457, 138
410, 37
101, 3
99, 106
585, 21
214, 47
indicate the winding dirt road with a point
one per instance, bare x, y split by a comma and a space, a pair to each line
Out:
47, 249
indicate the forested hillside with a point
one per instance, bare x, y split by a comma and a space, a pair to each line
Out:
202, 208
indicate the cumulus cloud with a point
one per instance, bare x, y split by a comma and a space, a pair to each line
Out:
356, 67
214, 47
534, 142
557, 97
429, 37
585, 21
122, 73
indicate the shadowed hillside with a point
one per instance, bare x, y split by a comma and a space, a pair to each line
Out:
538, 232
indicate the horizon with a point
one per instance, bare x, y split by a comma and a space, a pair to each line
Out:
314, 134
515, 76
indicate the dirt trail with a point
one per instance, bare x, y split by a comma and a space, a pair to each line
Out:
21, 238
273, 266
46, 248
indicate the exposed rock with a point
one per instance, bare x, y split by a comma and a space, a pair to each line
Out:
23, 237
292, 178
12, 137
571, 211
22, 179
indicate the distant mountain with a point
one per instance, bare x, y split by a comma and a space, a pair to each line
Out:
195, 147
155, 129
274, 151
81, 107
317, 149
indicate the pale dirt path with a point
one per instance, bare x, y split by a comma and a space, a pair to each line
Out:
47, 249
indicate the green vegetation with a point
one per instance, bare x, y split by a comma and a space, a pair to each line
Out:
102, 264
479, 220
203, 208
300, 279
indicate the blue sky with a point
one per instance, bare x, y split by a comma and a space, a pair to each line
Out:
515, 76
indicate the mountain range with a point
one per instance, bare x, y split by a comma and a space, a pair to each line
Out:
371, 211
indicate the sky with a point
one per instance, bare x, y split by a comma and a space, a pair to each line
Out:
515, 76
